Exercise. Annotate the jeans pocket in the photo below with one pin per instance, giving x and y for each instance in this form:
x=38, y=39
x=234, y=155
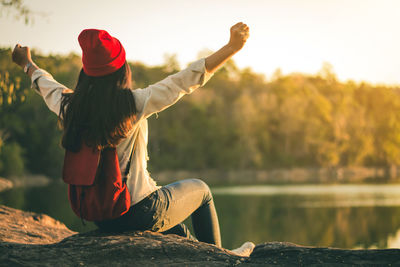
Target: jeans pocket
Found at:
x=159, y=216
x=143, y=213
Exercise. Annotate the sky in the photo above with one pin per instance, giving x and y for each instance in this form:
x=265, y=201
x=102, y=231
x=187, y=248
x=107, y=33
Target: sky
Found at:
x=359, y=38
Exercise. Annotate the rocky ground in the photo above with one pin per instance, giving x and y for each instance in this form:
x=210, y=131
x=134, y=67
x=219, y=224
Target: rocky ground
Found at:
x=29, y=239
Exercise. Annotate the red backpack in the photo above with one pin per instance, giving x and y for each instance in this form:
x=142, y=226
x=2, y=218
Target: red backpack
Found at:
x=96, y=191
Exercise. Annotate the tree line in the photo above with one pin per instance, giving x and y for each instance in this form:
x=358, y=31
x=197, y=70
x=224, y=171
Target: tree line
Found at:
x=239, y=120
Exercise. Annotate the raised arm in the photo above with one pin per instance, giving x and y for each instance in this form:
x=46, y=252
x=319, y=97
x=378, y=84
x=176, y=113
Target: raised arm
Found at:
x=165, y=93
x=42, y=81
x=239, y=36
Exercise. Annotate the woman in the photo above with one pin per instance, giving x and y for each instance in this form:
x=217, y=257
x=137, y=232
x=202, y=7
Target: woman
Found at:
x=104, y=112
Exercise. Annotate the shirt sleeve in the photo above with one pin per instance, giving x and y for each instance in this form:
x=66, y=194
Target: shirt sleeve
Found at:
x=48, y=88
x=165, y=93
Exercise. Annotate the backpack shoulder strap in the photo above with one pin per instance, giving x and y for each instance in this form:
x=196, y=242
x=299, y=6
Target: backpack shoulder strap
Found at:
x=128, y=166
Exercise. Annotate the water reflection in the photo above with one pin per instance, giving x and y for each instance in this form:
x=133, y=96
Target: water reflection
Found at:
x=345, y=216
x=393, y=241
x=367, y=190
x=51, y=200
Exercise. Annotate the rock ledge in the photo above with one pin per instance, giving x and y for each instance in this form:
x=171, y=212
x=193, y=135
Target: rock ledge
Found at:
x=39, y=240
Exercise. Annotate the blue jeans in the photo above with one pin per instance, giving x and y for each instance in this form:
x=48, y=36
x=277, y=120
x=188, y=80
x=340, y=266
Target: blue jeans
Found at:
x=165, y=209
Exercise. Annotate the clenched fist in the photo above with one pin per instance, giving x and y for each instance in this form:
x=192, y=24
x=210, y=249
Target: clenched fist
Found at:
x=21, y=55
x=239, y=36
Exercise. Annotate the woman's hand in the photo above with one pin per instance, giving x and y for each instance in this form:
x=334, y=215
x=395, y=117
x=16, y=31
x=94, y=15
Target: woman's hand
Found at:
x=239, y=36
x=21, y=55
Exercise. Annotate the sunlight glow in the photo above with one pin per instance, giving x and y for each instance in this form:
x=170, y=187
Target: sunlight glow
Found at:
x=358, y=37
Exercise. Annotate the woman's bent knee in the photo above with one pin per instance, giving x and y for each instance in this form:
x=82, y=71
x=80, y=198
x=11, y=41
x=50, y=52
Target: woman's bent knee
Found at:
x=204, y=187
x=200, y=183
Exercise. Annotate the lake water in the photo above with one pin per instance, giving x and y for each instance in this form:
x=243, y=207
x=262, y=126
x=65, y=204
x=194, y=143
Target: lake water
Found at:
x=345, y=216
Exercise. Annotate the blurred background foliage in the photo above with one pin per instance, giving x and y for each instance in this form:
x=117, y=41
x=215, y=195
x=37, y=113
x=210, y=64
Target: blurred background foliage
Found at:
x=17, y=9
x=239, y=120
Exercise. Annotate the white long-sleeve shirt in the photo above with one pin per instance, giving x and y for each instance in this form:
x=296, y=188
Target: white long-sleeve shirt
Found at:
x=149, y=100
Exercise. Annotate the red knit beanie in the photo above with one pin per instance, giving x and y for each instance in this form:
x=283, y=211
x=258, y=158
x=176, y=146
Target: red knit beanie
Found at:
x=102, y=54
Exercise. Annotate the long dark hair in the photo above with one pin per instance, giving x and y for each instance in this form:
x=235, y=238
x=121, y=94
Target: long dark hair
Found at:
x=100, y=112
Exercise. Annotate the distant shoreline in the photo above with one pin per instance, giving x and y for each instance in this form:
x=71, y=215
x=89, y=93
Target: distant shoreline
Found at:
x=213, y=177
x=286, y=176
x=5, y=184
x=24, y=180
